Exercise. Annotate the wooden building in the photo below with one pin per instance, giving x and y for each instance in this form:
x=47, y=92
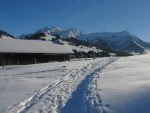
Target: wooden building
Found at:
x=17, y=51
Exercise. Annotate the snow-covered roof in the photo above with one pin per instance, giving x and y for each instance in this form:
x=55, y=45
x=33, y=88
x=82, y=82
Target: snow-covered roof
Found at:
x=32, y=46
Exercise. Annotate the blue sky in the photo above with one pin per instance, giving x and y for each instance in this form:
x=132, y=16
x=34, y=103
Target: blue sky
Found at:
x=26, y=16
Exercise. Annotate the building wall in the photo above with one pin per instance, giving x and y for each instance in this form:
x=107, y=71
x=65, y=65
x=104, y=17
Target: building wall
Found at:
x=21, y=59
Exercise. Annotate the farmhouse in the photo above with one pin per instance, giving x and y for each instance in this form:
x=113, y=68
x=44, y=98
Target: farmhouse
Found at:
x=17, y=51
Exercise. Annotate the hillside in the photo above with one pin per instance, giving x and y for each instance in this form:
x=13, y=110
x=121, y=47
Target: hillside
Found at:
x=4, y=34
x=121, y=41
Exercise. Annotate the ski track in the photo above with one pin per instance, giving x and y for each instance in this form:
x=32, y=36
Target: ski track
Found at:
x=75, y=93
x=86, y=99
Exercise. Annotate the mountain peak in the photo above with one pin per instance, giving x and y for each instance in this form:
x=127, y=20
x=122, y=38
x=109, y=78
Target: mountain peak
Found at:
x=56, y=28
x=73, y=32
x=49, y=30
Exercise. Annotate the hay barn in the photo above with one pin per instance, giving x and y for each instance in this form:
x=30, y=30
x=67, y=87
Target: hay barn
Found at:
x=20, y=52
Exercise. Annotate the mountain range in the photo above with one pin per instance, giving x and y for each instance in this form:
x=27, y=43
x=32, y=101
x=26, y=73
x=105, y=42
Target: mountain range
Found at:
x=120, y=41
x=72, y=32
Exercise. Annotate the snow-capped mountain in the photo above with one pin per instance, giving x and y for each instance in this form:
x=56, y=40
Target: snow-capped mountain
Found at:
x=72, y=32
x=121, y=41
x=49, y=30
x=4, y=34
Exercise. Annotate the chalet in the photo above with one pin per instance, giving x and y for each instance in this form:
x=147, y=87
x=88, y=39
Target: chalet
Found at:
x=17, y=51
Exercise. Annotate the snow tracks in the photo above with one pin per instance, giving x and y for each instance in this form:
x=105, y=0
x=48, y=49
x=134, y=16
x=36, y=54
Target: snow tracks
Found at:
x=76, y=93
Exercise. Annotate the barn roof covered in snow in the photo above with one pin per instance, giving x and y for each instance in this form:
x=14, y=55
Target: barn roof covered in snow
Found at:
x=32, y=46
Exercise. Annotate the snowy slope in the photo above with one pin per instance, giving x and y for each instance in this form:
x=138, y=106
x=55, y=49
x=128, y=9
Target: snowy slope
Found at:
x=82, y=48
x=121, y=41
x=124, y=86
x=5, y=35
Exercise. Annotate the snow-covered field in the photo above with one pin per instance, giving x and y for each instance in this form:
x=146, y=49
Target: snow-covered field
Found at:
x=103, y=85
x=125, y=85
x=18, y=82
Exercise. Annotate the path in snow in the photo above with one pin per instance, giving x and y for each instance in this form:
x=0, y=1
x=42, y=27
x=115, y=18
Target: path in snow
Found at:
x=86, y=98
x=61, y=96
x=20, y=81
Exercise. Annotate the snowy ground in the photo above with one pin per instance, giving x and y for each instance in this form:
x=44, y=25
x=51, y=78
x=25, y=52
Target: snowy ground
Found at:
x=103, y=85
x=125, y=85
x=55, y=96
x=18, y=82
